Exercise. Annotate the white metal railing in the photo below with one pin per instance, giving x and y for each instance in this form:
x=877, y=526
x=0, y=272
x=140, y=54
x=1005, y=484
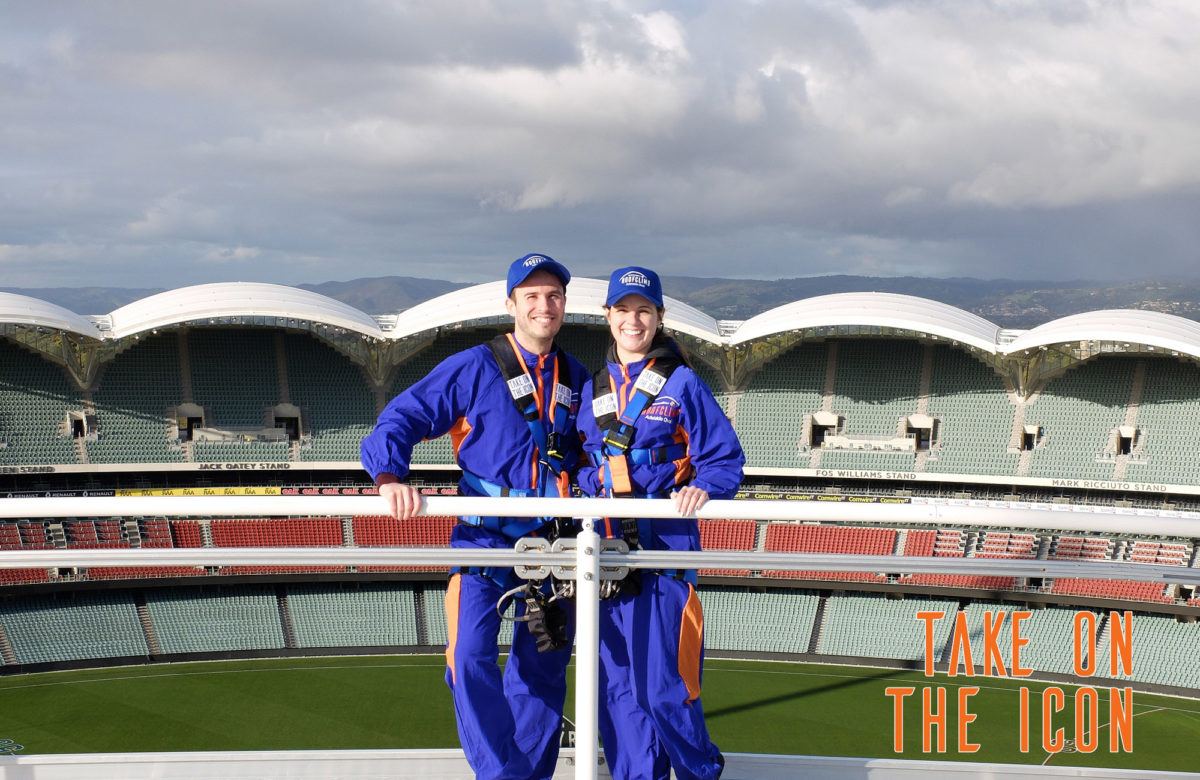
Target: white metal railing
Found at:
x=586, y=563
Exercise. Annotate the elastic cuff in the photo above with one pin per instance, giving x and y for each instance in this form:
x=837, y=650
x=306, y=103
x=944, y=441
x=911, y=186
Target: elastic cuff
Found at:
x=385, y=478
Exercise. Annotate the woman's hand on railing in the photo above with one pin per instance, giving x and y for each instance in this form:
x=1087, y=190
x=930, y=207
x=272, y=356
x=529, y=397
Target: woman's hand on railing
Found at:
x=689, y=499
x=404, y=501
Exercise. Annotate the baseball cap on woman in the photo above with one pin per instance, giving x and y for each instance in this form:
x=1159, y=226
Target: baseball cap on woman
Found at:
x=634, y=280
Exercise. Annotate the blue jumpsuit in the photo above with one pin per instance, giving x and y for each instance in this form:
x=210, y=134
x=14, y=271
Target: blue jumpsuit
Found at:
x=508, y=724
x=651, y=644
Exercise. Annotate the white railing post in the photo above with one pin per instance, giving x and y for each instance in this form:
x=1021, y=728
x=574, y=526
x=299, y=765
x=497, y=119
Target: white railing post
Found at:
x=587, y=648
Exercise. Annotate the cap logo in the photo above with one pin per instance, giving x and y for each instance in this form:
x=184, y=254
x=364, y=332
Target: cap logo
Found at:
x=533, y=260
x=635, y=279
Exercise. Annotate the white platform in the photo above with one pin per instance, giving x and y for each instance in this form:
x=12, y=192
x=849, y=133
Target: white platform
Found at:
x=450, y=765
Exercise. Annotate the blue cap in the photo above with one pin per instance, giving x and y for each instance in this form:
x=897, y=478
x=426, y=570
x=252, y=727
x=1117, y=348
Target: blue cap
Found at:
x=522, y=267
x=634, y=280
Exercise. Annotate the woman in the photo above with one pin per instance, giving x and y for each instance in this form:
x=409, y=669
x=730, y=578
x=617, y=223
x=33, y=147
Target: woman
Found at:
x=655, y=432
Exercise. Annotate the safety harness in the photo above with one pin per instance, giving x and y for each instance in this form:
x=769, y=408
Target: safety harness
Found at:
x=615, y=456
x=548, y=441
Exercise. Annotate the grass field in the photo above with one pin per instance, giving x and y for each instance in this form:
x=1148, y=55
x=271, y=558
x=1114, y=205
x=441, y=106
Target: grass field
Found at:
x=401, y=702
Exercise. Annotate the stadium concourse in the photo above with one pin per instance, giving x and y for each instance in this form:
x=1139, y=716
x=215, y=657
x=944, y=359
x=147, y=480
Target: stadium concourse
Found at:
x=867, y=399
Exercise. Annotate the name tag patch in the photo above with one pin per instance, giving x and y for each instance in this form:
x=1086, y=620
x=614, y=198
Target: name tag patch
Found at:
x=520, y=386
x=605, y=404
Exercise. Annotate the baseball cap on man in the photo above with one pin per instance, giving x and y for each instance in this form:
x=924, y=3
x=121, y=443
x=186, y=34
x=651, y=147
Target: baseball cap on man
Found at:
x=634, y=280
x=522, y=267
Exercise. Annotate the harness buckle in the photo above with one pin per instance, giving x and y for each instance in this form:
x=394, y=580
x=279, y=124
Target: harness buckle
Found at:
x=619, y=436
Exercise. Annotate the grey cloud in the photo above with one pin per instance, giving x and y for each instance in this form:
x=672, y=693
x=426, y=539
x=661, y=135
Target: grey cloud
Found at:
x=176, y=142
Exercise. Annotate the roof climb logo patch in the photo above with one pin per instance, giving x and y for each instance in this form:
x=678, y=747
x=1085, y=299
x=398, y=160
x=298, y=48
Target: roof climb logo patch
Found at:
x=635, y=279
x=533, y=260
x=665, y=409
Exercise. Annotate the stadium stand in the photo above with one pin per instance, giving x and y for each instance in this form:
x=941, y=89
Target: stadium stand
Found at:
x=35, y=401
x=307, y=532
x=727, y=535
x=1002, y=544
x=974, y=414
x=134, y=398
x=434, y=601
x=790, y=537
x=42, y=629
x=1168, y=415
x=190, y=620
x=1087, y=548
x=367, y=615
x=337, y=404
x=1048, y=631
x=1163, y=650
x=876, y=626
x=766, y=622
x=1078, y=413
x=1132, y=590
x=793, y=382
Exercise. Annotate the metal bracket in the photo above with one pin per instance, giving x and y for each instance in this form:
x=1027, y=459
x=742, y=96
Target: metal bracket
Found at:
x=528, y=571
x=606, y=572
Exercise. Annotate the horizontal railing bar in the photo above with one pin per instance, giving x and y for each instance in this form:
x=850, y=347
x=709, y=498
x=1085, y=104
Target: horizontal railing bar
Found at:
x=642, y=559
x=1078, y=519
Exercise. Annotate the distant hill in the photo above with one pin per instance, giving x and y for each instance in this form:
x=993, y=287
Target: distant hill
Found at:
x=384, y=294
x=1009, y=303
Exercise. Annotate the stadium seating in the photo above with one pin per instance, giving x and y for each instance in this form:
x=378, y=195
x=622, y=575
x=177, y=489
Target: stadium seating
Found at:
x=1087, y=548
x=774, y=621
x=307, y=532
x=434, y=602
x=770, y=413
x=1049, y=632
x=35, y=398
x=186, y=533
x=974, y=414
x=1161, y=553
x=1163, y=650
x=1078, y=412
x=1168, y=416
x=365, y=615
x=42, y=629
x=134, y=398
x=191, y=620
x=143, y=572
x=1129, y=590
x=1001, y=544
x=23, y=576
x=94, y=534
x=727, y=535
x=878, y=627
x=337, y=403
x=791, y=537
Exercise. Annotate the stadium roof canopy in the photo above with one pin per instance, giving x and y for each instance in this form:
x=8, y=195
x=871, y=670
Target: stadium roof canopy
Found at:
x=1128, y=327
x=24, y=310
x=240, y=301
x=585, y=297
x=873, y=310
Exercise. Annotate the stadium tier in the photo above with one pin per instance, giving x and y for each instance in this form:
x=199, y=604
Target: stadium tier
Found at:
x=866, y=404
x=343, y=616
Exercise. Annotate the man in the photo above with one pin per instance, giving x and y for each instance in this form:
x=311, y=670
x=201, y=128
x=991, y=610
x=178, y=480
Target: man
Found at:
x=509, y=407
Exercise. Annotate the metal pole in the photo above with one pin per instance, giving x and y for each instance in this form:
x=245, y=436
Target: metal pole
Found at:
x=587, y=648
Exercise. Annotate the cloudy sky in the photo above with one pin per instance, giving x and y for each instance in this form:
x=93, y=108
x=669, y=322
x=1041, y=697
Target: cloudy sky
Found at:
x=163, y=143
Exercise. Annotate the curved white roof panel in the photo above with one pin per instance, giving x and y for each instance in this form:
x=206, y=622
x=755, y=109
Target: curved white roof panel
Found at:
x=1131, y=326
x=584, y=296
x=885, y=310
x=24, y=310
x=238, y=299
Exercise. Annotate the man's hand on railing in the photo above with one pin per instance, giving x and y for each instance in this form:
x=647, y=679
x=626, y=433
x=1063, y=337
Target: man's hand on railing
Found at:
x=404, y=501
x=689, y=499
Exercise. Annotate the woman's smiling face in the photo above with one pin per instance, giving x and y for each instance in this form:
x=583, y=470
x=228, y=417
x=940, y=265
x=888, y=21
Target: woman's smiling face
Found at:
x=633, y=322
